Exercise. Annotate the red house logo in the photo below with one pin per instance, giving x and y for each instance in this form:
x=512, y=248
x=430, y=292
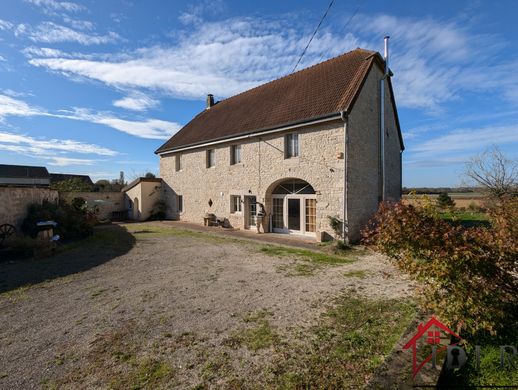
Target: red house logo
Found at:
x=433, y=332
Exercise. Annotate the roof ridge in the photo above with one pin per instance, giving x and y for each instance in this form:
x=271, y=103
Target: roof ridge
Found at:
x=295, y=73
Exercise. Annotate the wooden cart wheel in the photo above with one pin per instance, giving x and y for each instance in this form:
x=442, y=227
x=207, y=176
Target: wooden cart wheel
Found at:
x=6, y=230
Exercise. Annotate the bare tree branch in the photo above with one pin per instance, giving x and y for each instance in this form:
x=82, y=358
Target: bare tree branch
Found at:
x=494, y=171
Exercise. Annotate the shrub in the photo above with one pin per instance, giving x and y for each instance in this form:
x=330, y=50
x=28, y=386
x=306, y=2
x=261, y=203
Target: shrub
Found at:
x=467, y=275
x=72, y=220
x=159, y=211
x=27, y=247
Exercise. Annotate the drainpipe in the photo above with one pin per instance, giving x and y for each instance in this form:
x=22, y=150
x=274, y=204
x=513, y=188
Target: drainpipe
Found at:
x=382, y=119
x=345, y=228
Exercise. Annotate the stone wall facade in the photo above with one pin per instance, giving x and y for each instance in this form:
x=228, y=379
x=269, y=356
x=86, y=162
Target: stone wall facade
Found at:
x=321, y=164
x=365, y=188
x=15, y=200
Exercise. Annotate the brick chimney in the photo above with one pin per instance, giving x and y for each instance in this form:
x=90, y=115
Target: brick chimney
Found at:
x=210, y=100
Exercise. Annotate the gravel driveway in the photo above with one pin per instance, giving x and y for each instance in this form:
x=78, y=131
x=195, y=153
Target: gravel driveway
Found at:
x=159, y=308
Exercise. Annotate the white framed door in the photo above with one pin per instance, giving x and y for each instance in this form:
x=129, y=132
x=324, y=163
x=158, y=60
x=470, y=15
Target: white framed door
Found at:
x=250, y=211
x=294, y=214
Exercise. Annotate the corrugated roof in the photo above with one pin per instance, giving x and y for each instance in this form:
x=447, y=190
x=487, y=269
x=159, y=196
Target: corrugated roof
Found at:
x=320, y=90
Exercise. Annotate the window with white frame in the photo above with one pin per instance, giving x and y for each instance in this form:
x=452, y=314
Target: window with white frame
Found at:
x=178, y=163
x=179, y=203
x=235, y=154
x=211, y=158
x=291, y=145
x=235, y=204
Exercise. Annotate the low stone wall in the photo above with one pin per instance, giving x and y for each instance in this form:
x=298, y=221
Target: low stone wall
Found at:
x=15, y=200
x=107, y=202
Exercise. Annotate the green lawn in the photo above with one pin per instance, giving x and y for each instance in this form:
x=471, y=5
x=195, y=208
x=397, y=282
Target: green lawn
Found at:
x=466, y=219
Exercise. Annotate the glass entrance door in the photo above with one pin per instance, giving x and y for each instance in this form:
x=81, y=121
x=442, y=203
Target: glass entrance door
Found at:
x=251, y=210
x=294, y=214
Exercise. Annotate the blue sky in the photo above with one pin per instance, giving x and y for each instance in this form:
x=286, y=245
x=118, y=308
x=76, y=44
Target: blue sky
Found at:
x=96, y=86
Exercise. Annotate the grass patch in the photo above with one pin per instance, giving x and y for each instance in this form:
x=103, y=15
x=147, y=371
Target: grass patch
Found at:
x=489, y=372
x=146, y=374
x=352, y=340
x=305, y=254
x=259, y=336
x=298, y=269
x=466, y=219
x=356, y=274
x=18, y=293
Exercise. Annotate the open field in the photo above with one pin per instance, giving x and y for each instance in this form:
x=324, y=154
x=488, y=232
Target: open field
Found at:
x=462, y=199
x=141, y=306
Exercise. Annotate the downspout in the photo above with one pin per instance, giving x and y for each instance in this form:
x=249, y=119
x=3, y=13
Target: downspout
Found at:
x=345, y=225
x=382, y=119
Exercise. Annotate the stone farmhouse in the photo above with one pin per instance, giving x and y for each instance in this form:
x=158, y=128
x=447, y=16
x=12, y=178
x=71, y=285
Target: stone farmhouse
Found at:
x=321, y=142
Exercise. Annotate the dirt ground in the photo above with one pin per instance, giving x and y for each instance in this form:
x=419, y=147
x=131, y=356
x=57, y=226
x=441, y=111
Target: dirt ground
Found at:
x=170, y=306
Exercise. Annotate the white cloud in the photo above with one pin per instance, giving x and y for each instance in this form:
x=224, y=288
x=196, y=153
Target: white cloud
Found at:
x=143, y=128
x=15, y=107
x=195, y=12
x=5, y=25
x=67, y=161
x=468, y=139
x=458, y=146
x=148, y=128
x=223, y=58
x=78, y=23
x=435, y=61
x=49, y=32
x=136, y=102
x=54, y=5
x=25, y=144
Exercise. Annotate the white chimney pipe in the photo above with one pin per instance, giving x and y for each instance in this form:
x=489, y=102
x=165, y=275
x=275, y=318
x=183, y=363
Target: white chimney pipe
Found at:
x=382, y=120
x=386, y=54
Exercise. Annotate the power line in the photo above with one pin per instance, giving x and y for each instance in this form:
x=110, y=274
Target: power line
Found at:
x=313, y=36
x=345, y=25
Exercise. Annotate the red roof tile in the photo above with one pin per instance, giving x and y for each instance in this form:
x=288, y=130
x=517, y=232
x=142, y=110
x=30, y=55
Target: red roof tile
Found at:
x=323, y=89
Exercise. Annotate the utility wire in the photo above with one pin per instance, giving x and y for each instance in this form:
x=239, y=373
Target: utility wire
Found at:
x=344, y=26
x=313, y=36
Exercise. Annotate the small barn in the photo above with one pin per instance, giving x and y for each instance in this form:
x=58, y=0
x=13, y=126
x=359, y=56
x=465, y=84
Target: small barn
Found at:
x=141, y=197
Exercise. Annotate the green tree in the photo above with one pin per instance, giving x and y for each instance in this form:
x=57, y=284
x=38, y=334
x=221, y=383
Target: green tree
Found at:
x=445, y=201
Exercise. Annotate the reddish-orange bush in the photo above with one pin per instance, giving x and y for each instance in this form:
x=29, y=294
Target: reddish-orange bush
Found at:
x=467, y=275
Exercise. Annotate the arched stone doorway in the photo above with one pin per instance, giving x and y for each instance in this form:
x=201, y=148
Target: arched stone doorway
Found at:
x=293, y=207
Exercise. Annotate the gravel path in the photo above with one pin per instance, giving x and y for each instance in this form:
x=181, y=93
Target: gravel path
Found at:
x=171, y=296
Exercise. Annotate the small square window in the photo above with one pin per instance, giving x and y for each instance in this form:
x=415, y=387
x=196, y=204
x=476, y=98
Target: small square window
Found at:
x=179, y=203
x=291, y=145
x=211, y=158
x=235, y=154
x=178, y=163
x=235, y=204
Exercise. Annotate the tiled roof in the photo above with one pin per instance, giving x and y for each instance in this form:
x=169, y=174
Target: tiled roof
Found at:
x=318, y=91
x=23, y=171
x=57, y=177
